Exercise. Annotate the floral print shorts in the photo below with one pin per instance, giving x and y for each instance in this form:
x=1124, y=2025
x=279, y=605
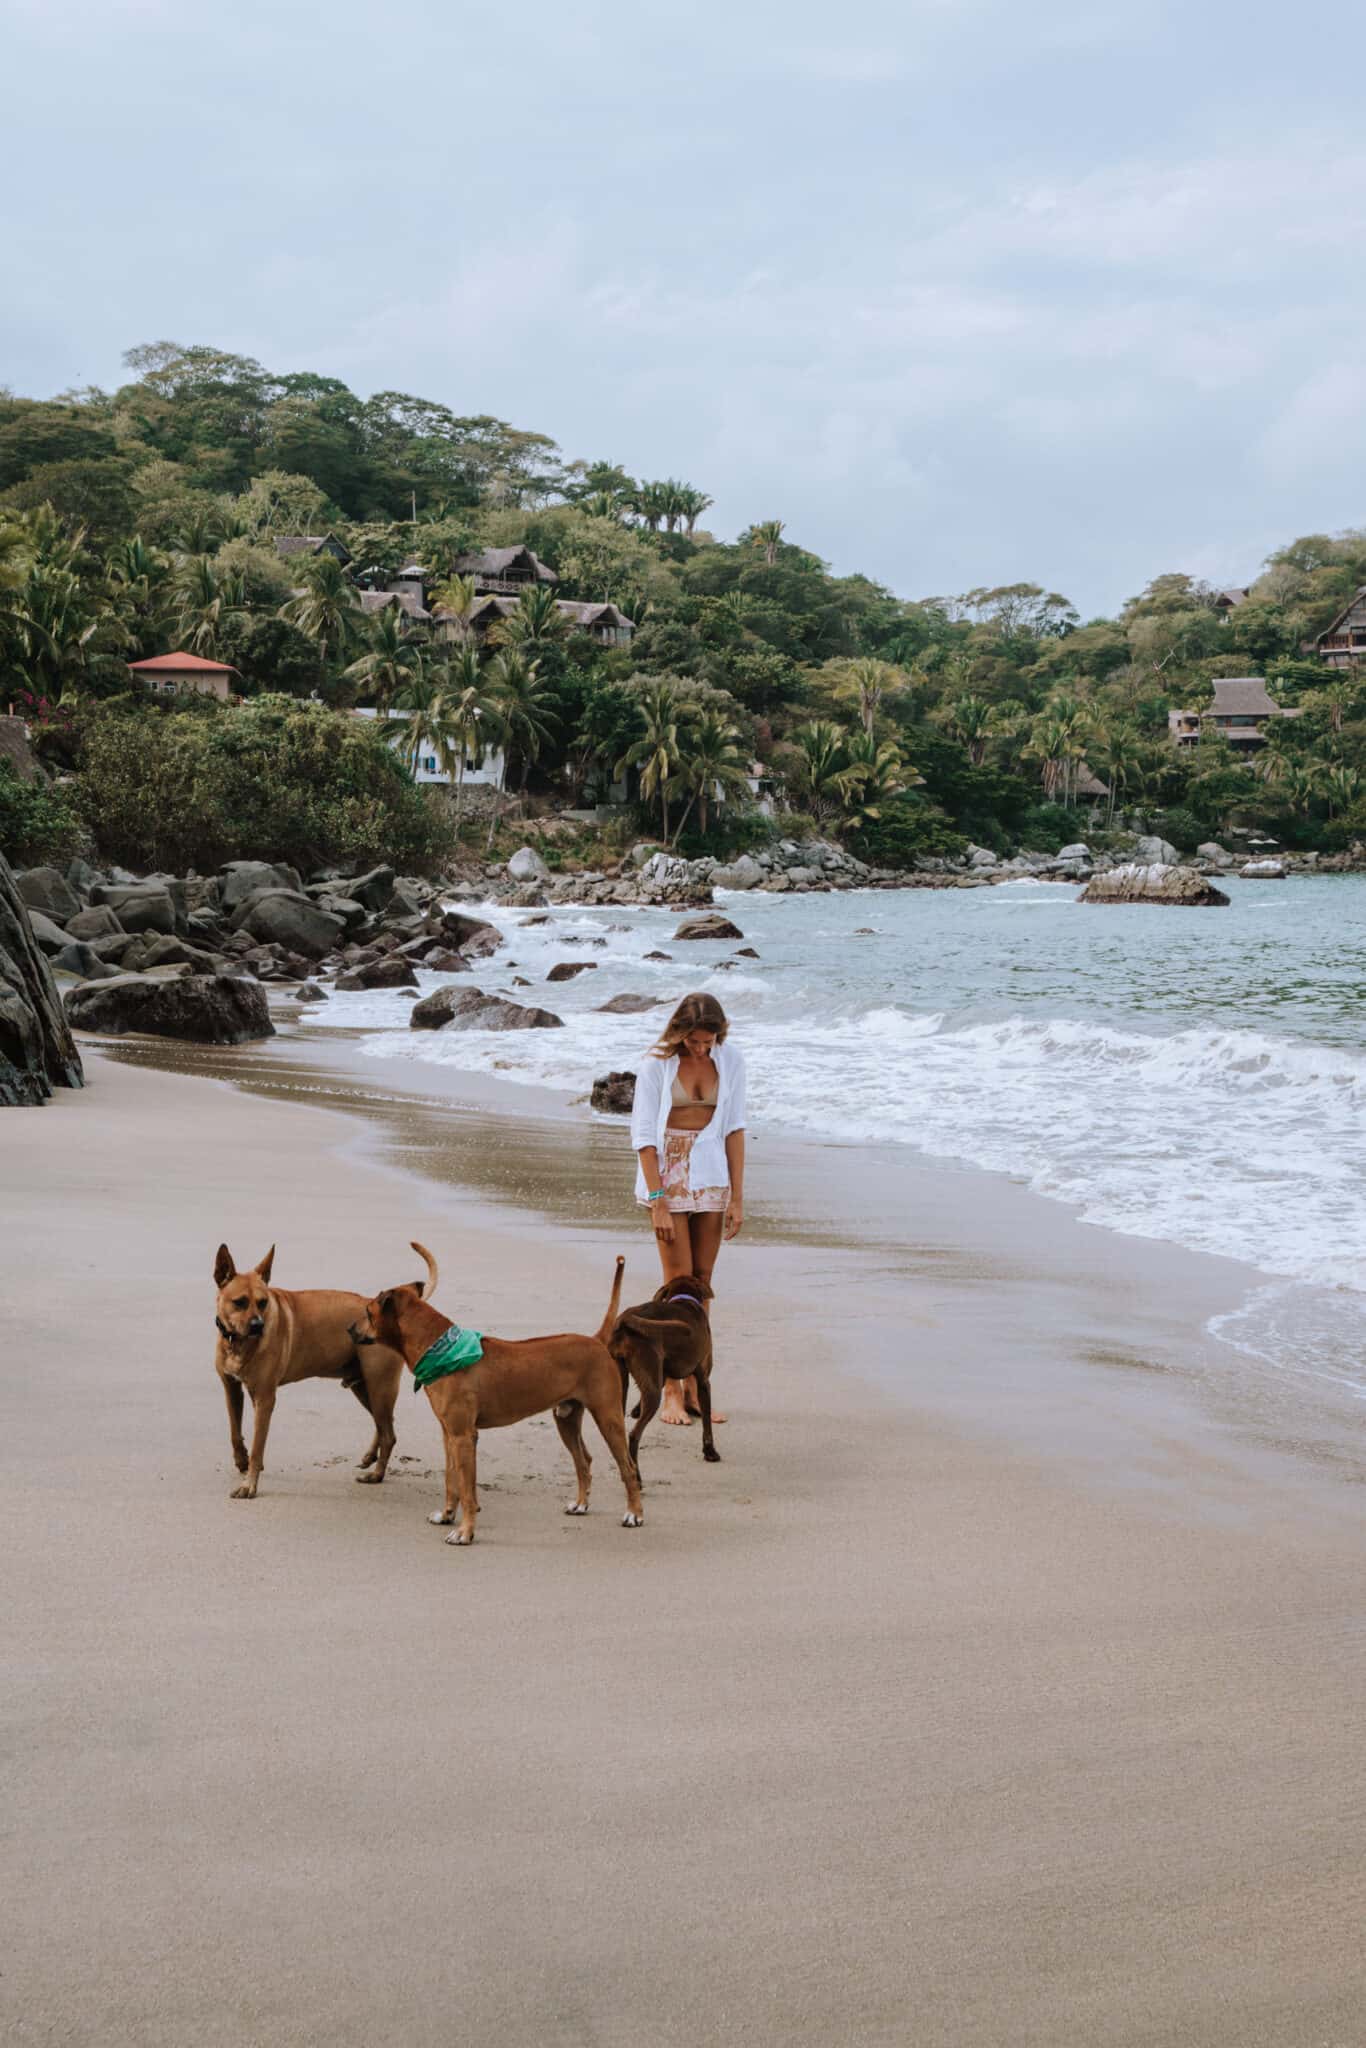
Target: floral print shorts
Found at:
x=683, y=1200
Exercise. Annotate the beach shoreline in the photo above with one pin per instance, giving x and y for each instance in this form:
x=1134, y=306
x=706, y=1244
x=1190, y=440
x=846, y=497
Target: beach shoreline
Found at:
x=902, y=1723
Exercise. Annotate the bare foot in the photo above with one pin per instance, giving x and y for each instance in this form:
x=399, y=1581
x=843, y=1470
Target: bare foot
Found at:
x=678, y=1415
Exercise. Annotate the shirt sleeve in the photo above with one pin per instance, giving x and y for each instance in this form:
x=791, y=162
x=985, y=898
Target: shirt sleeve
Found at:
x=735, y=1098
x=645, y=1109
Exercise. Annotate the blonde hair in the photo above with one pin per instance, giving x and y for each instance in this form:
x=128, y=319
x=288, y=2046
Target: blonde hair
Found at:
x=694, y=1013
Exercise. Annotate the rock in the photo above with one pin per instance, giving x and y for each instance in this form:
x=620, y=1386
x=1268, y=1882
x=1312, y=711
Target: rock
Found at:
x=37, y=1051
x=309, y=992
x=210, y=1009
x=441, y=960
x=709, y=926
x=747, y=953
x=244, y=878
x=48, y=890
x=565, y=970
x=630, y=1006
x=351, y=914
x=581, y=939
x=138, y=906
x=469, y=1009
x=1079, y=850
x=80, y=959
x=614, y=1094
x=474, y=937
x=659, y=956
x=542, y=917
x=99, y=922
x=49, y=936
x=1153, y=882
x=1153, y=851
x=526, y=865
x=391, y=970
x=375, y=890
x=1262, y=871
x=285, y=917
x=82, y=877
x=744, y=873
x=983, y=857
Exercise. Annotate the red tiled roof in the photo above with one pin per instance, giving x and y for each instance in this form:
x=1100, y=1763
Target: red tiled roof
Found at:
x=182, y=662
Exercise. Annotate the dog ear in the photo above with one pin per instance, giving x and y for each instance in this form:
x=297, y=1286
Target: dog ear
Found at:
x=223, y=1266
x=385, y=1302
x=264, y=1265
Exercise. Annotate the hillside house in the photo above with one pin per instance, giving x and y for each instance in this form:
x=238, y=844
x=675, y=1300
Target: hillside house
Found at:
x=173, y=672
x=1228, y=600
x=1240, y=711
x=289, y=545
x=604, y=622
x=1342, y=643
x=504, y=572
x=427, y=770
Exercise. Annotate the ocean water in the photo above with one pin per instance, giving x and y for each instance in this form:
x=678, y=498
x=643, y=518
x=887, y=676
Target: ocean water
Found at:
x=1193, y=1076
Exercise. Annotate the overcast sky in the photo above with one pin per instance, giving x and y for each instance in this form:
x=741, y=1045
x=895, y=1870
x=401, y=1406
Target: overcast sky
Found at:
x=966, y=291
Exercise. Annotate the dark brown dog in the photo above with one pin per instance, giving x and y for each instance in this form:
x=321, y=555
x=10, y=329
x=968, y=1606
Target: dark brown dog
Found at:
x=667, y=1338
x=268, y=1337
x=510, y=1382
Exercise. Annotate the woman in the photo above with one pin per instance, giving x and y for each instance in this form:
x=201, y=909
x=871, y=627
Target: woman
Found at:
x=688, y=1130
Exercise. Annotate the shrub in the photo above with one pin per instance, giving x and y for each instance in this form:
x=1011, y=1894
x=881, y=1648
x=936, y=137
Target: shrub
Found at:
x=1046, y=827
x=275, y=779
x=909, y=829
x=1181, y=828
x=38, y=821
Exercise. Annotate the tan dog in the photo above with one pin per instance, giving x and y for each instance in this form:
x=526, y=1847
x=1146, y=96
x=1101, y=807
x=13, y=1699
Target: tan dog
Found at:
x=268, y=1338
x=510, y=1382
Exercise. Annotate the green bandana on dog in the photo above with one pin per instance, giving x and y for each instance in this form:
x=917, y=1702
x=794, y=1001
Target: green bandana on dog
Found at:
x=454, y=1350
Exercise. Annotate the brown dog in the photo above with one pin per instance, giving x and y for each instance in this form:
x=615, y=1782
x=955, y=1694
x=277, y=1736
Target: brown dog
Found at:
x=510, y=1382
x=667, y=1338
x=268, y=1337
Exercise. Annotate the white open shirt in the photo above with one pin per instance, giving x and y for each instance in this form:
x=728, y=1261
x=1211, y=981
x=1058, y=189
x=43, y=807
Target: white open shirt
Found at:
x=707, y=1164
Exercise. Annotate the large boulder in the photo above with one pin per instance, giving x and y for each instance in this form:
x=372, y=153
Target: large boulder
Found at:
x=1262, y=871
x=629, y=1005
x=1152, y=851
x=374, y=890
x=138, y=906
x=284, y=917
x=565, y=970
x=744, y=873
x=37, y=1051
x=1154, y=882
x=473, y=937
x=80, y=959
x=49, y=936
x=391, y=970
x=99, y=922
x=210, y=1009
x=526, y=865
x=1077, y=851
x=1212, y=851
x=469, y=1009
x=709, y=925
x=48, y=890
x=614, y=1094
x=244, y=878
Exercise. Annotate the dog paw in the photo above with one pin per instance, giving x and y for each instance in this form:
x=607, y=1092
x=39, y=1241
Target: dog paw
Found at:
x=368, y=1478
x=247, y=1492
x=440, y=1519
x=460, y=1536
x=630, y=1521
x=711, y=1454
x=576, y=1507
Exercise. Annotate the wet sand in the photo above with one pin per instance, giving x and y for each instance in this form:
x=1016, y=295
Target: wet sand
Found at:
x=1001, y=1686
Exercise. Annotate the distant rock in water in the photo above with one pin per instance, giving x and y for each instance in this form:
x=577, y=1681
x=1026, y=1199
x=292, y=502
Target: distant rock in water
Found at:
x=469, y=1009
x=1262, y=871
x=391, y=970
x=208, y=1009
x=1154, y=883
x=614, y=1094
x=629, y=1005
x=565, y=970
x=37, y=1051
x=710, y=925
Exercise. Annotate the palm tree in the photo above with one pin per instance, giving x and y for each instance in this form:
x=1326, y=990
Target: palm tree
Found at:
x=1058, y=740
x=648, y=502
x=602, y=505
x=205, y=601
x=766, y=536
x=821, y=767
x=972, y=721
x=326, y=610
x=524, y=705
x=457, y=597
x=693, y=504
x=393, y=658
x=869, y=683
x=445, y=711
x=1339, y=787
x=656, y=753
x=1117, y=751
x=537, y=621
x=710, y=764
x=875, y=774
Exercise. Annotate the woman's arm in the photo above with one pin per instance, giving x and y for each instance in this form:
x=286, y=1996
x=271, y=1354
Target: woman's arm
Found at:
x=660, y=1213
x=735, y=1160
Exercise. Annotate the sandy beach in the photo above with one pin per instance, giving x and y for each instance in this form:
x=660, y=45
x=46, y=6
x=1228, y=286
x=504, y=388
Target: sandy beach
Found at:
x=1001, y=1686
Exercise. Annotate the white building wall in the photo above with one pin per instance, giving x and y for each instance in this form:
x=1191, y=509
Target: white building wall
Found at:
x=489, y=773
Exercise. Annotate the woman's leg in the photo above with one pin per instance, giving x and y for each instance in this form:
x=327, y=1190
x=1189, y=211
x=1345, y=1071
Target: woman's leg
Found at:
x=706, y=1237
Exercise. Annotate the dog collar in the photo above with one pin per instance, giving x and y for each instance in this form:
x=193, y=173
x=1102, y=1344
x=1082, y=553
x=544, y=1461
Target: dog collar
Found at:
x=685, y=1297
x=455, y=1350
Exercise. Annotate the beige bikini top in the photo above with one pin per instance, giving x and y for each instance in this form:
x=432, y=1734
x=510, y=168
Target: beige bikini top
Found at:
x=681, y=1099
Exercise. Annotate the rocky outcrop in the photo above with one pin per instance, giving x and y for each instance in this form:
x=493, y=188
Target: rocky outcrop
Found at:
x=281, y=917
x=209, y=1009
x=37, y=1051
x=1153, y=882
x=469, y=1009
x=710, y=926
x=614, y=1094
x=1262, y=871
x=565, y=970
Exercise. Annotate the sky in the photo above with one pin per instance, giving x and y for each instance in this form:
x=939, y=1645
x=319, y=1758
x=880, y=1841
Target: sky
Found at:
x=964, y=291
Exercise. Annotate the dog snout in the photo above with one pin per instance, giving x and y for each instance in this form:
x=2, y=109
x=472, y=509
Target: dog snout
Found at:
x=256, y=1326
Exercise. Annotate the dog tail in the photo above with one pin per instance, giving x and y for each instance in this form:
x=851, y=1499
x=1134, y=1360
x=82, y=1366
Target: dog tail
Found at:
x=430, y=1289
x=614, y=1304
x=653, y=1326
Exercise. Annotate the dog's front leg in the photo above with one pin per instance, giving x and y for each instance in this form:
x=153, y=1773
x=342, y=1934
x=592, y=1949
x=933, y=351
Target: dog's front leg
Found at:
x=262, y=1408
x=468, y=1489
x=232, y=1393
x=443, y=1517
